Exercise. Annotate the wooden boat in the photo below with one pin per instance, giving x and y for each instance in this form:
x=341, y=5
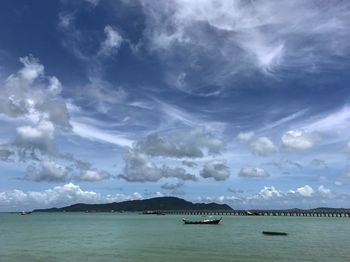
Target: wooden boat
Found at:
x=274, y=233
x=205, y=221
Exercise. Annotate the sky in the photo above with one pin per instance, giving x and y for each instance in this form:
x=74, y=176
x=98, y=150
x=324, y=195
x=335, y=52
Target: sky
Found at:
x=239, y=102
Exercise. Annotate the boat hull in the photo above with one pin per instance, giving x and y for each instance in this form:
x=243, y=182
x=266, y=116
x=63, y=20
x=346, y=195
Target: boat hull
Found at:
x=202, y=222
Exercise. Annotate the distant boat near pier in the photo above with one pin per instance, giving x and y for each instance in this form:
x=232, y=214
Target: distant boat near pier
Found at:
x=25, y=213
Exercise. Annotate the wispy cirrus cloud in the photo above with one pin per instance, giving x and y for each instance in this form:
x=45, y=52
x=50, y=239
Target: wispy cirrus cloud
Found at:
x=267, y=36
x=112, y=42
x=96, y=134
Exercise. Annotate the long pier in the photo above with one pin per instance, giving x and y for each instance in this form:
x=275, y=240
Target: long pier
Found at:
x=289, y=212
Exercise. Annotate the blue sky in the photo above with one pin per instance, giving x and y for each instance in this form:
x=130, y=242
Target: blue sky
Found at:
x=240, y=102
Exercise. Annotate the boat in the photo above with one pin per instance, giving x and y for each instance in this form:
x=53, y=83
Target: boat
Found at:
x=274, y=233
x=151, y=212
x=205, y=221
x=25, y=213
x=251, y=213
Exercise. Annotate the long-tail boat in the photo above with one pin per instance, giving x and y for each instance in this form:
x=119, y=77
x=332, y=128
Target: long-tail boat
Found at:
x=205, y=221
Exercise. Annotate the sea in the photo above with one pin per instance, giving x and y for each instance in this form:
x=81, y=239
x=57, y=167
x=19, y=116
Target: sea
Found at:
x=136, y=237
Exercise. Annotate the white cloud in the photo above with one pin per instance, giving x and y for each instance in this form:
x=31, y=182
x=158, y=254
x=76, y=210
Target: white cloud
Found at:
x=65, y=20
x=102, y=95
x=265, y=35
x=31, y=71
x=139, y=168
x=30, y=93
x=112, y=42
x=326, y=192
x=299, y=139
x=295, y=197
x=268, y=193
x=96, y=134
x=216, y=169
x=253, y=172
x=263, y=146
x=93, y=175
x=245, y=136
x=84, y=171
x=270, y=197
x=35, y=138
x=337, y=122
x=188, y=143
x=55, y=86
x=305, y=191
x=50, y=171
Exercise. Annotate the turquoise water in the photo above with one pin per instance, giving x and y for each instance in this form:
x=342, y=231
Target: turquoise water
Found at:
x=134, y=237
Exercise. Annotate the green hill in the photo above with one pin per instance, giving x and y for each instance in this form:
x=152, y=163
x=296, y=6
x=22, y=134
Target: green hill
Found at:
x=158, y=203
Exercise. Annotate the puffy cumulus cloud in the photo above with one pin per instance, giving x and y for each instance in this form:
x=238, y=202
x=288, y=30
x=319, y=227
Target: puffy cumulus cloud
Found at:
x=299, y=139
x=32, y=94
x=39, y=138
x=302, y=196
x=309, y=192
x=93, y=175
x=270, y=197
x=263, y=146
x=216, y=169
x=112, y=42
x=58, y=196
x=50, y=171
x=139, y=168
x=157, y=145
x=268, y=193
x=181, y=144
x=32, y=70
x=265, y=35
x=253, y=172
x=305, y=191
x=71, y=170
x=86, y=172
x=245, y=136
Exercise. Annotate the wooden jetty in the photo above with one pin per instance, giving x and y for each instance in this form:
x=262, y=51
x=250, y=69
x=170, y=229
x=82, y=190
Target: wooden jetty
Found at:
x=289, y=212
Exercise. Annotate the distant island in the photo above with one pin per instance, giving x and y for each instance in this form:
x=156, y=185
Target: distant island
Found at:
x=152, y=204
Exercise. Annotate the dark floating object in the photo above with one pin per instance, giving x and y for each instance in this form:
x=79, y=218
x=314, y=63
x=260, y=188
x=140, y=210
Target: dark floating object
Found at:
x=274, y=233
x=205, y=221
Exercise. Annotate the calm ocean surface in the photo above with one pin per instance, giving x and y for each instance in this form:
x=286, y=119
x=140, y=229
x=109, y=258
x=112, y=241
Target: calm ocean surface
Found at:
x=134, y=237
